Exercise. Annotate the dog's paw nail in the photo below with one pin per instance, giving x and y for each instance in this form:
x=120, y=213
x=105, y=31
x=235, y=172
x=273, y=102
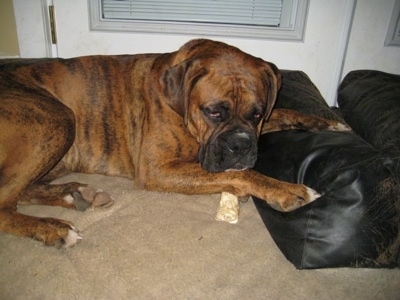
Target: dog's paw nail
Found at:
x=72, y=238
x=340, y=127
x=312, y=194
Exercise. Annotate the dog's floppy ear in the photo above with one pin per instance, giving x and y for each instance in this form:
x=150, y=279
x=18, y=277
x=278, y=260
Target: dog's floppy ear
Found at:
x=178, y=82
x=272, y=83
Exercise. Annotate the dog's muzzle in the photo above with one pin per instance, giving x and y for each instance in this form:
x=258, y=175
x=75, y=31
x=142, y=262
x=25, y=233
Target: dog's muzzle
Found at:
x=232, y=150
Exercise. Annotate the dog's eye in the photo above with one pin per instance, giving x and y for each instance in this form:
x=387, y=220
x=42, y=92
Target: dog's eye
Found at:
x=214, y=114
x=217, y=112
x=257, y=115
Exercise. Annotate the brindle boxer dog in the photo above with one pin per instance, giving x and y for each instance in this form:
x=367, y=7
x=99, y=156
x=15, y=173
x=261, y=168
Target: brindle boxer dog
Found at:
x=173, y=122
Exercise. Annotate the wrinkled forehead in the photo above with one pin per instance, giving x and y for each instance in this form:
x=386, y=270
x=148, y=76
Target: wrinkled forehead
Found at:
x=242, y=89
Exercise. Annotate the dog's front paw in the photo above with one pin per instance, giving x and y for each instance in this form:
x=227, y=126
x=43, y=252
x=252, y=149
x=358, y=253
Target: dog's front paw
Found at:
x=297, y=196
x=339, y=127
x=90, y=197
x=55, y=232
x=72, y=238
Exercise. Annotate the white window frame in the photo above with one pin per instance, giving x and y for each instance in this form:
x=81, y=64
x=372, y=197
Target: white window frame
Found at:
x=393, y=32
x=292, y=27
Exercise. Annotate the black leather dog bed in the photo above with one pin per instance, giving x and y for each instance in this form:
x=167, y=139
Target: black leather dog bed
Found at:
x=354, y=220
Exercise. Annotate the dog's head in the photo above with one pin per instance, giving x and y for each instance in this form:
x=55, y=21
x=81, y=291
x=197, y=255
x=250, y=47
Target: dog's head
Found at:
x=223, y=95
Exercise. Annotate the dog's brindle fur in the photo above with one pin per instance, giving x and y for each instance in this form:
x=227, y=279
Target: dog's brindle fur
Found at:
x=172, y=122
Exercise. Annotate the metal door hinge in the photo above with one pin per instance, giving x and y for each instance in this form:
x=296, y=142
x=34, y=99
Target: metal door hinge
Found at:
x=52, y=25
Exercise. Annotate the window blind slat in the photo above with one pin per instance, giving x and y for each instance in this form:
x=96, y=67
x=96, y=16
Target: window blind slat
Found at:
x=252, y=12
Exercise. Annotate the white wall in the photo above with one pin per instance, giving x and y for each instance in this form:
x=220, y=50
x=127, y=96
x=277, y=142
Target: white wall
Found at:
x=366, y=48
x=320, y=55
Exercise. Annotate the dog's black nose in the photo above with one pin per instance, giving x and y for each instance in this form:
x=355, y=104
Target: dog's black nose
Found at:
x=231, y=150
x=238, y=143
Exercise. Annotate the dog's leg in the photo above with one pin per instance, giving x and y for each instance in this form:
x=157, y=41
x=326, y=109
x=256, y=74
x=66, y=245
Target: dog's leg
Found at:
x=284, y=119
x=191, y=178
x=48, y=230
x=36, y=133
x=52, y=232
x=70, y=195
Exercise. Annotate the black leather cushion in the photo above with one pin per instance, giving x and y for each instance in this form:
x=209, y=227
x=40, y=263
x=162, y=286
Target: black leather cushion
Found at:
x=354, y=220
x=370, y=102
x=299, y=93
x=354, y=223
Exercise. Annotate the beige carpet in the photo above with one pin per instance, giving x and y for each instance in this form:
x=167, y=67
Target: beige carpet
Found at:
x=166, y=246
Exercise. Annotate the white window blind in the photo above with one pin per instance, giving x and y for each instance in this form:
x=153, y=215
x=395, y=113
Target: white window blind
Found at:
x=243, y=12
x=261, y=19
